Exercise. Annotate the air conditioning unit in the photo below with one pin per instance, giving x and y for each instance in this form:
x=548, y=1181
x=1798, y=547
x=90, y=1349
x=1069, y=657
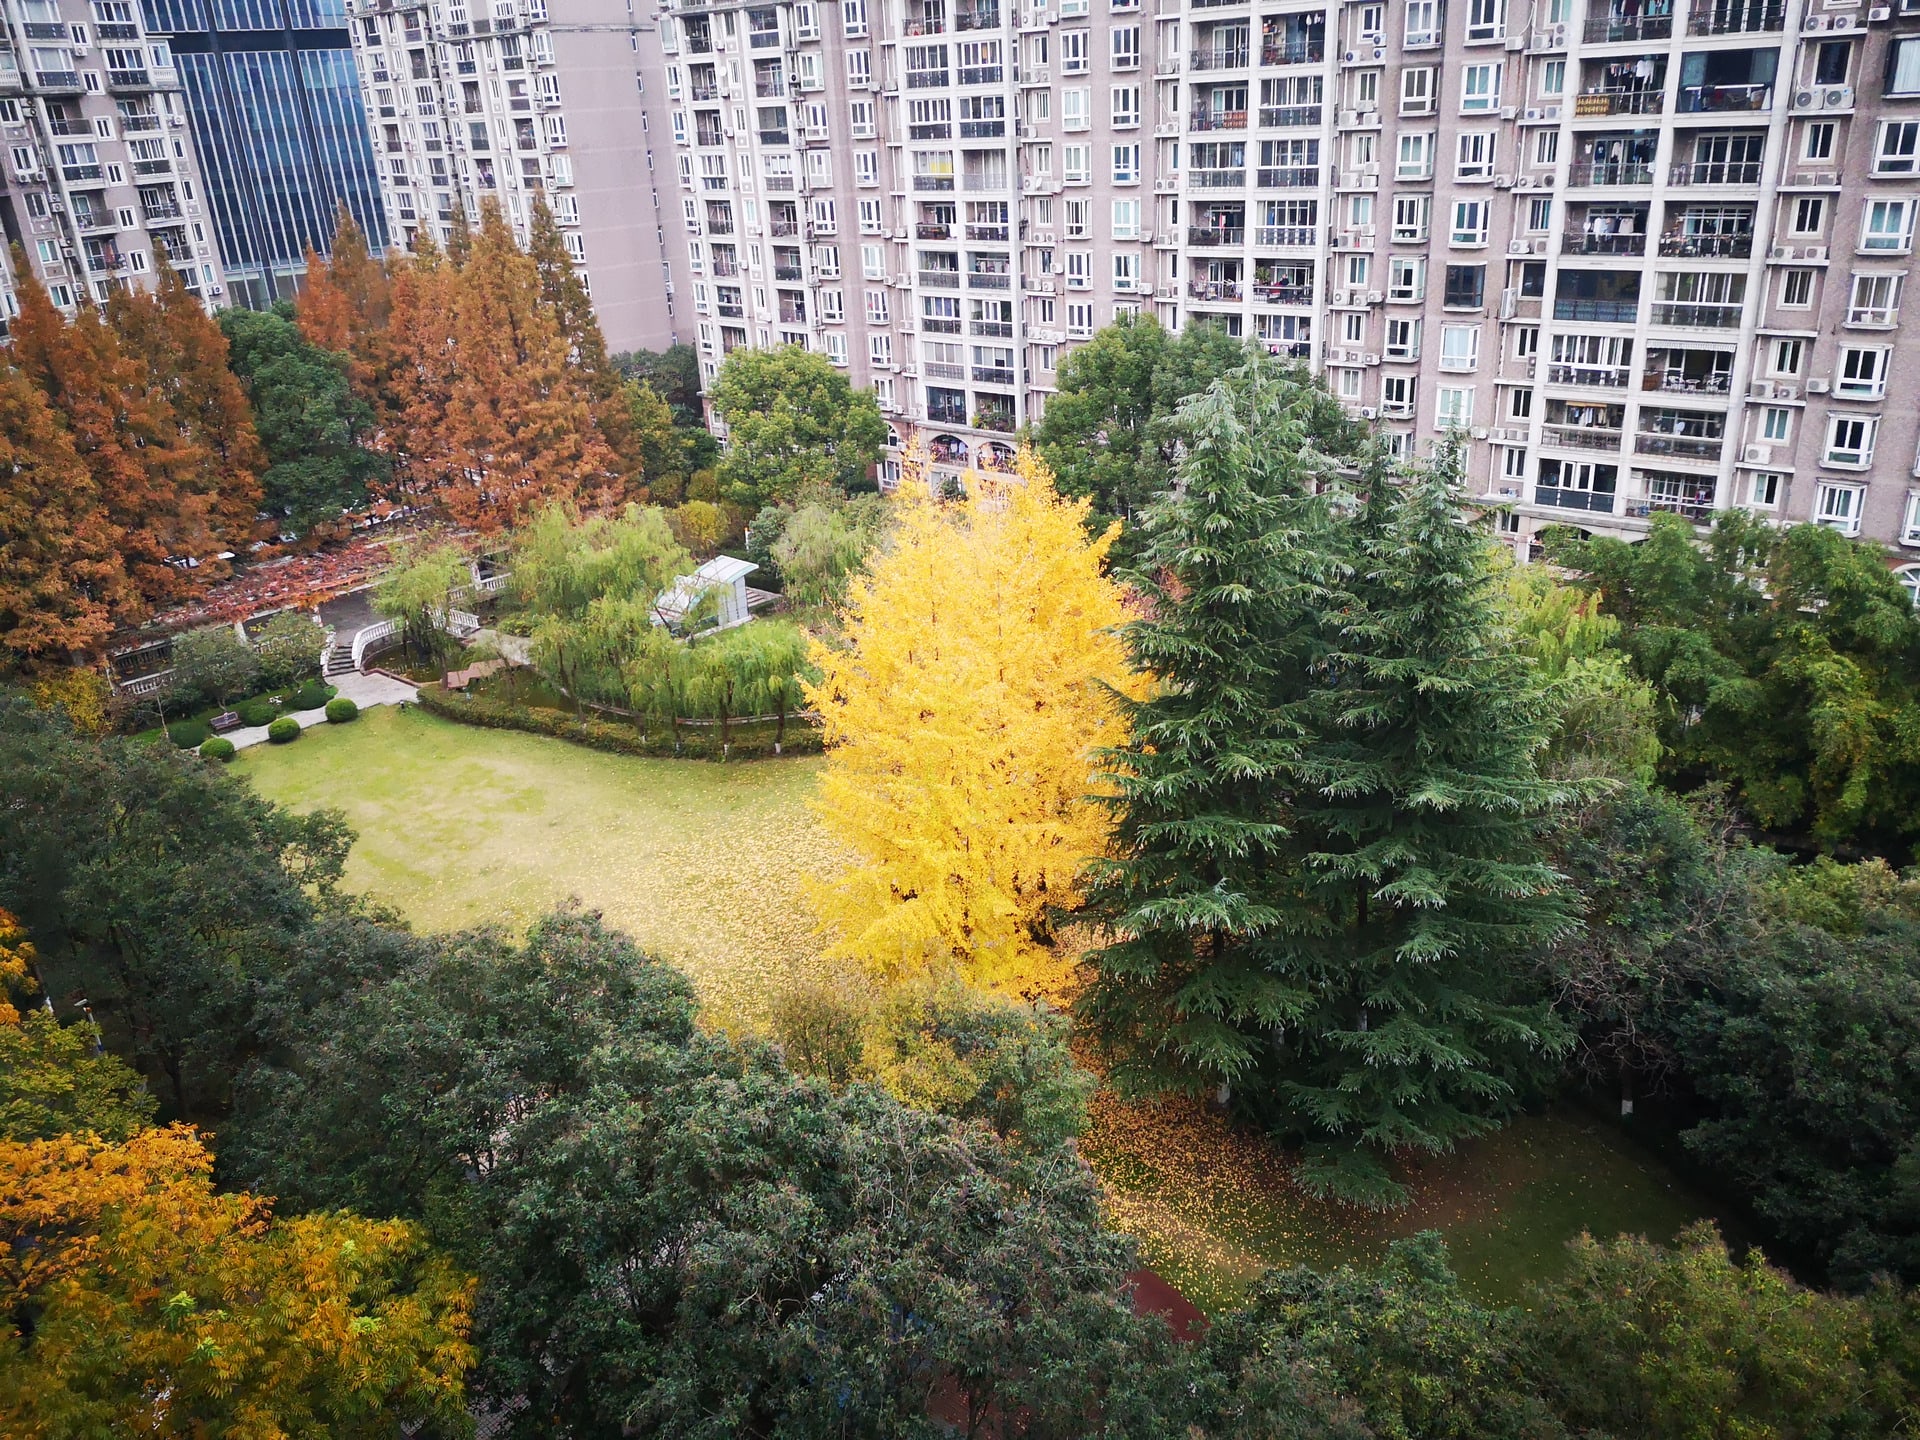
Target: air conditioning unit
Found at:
x=1814, y=252
x=1367, y=412
x=1540, y=246
x=1840, y=22
x=1372, y=37
x=1379, y=52
x=1503, y=182
x=1509, y=112
x=1352, y=57
x=1369, y=359
x=1523, y=182
x=1757, y=455
x=1376, y=297
x=1370, y=170
x=1339, y=297
x=1813, y=22
x=216, y=289
x=1480, y=433
x=1879, y=13
x=1780, y=252
x=1533, y=113
x=1818, y=387
x=1519, y=247
x=1784, y=392
x=1761, y=390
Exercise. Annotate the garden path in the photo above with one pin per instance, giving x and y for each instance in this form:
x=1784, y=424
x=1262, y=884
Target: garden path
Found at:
x=365, y=691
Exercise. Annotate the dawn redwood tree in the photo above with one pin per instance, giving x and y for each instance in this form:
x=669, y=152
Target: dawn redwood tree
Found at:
x=61, y=578
x=144, y=469
x=346, y=305
x=413, y=397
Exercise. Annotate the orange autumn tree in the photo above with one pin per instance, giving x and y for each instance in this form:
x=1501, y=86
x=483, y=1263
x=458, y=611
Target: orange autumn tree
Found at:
x=415, y=392
x=962, y=721
x=519, y=427
x=347, y=301
x=160, y=1307
x=61, y=579
x=168, y=331
x=144, y=470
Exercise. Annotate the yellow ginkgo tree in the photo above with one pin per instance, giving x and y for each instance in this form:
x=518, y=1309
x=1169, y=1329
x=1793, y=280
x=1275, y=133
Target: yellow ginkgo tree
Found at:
x=962, y=718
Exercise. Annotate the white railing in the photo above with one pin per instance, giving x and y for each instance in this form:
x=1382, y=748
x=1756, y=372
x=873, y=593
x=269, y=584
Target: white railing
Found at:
x=492, y=584
x=146, y=684
x=381, y=636
x=462, y=623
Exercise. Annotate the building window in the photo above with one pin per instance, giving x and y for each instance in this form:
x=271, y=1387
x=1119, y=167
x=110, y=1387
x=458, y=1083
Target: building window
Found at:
x=1406, y=277
x=1126, y=219
x=1075, y=47
x=1839, y=506
x=1796, y=289
x=1403, y=340
x=1903, y=66
x=1540, y=214
x=1125, y=106
x=1850, y=441
x=1473, y=155
x=1887, y=226
x=1909, y=575
x=1410, y=216
x=1466, y=287
x=1126, y=164
x=1460, y=347
x=1126, y=47
x=1415, y=157
x=1862, y=373
x=1784, y=358
x=1775, y=423
x=1817, y=143
x=1417, y=86
x=1479, y=89
x=1469, y=222
x=1397, y=394
x=1763, y=489
x=1874, y=300
x=1898, y=148
x=834, y=344
x=1809, y=215
x=1126, y=271
x=1453, y=407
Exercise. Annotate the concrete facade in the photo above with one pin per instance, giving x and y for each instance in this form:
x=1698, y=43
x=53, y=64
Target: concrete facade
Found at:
x=503, y=100
x=101, y=173
x=1647, y=256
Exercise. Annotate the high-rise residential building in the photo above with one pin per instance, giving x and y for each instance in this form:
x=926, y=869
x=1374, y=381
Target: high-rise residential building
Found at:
x=101, y=171
x=1643, y=255
x=496, y=99
x=281, y=130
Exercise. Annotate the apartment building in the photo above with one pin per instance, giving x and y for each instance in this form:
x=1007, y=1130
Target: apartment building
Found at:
x=1647, y=255
x=276, y=111
x=501, y=100
x=101, y=172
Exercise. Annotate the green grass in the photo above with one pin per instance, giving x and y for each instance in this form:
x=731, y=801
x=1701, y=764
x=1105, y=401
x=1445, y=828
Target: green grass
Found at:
x=706, y=865
x=458, y=826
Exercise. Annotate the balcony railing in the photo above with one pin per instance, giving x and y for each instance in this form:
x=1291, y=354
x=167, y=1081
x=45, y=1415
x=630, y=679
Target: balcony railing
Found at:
x=1697, y=315
x=1612, y=29
x=1286, y=115
x=985, y=17
x=928, y=231
x=1581, y=437
x=1716, y=172
x=1216, y=235
x=992, y=375
x=1712, y=382
x=981, y=74
x=989, y=280
x=1292, y=52
x=1602, y=377
x=765, y=88
x=1597, y=501
x=1581, y=242
x=982, y=129
x=701, y=93
x=1217, y=290
x=1707, y=247
x=933, y=182
x=940, y=279
x=1607, y=312
x=1610, y=172
x=1217, y=179
x=1695, y=502
x=1686, y=447
x=783, y=227
x=991, y=329
x=1276, y=294
x=1618, y=102
x=1219, y=59
x=1295, y=235
x=1702, y=99
x=129, y=79
x=1289, y=177
x=988, y=233
x=1736, y=19
x=57, y=79
x=726, y=269
x=1219, y=120
x=926, y=79
x=788, y=272
x=763, y=39
x=732, y=312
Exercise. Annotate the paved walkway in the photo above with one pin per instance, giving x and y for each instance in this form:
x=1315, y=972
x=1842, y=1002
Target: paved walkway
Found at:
x=365, y=691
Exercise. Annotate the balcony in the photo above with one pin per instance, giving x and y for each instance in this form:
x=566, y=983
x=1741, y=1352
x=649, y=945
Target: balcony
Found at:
x=991, y=329
x=1582, y=242
x=1286, y=235
x=1714, y=99
x=1679, y=244
x=933, y=182
x=788, y=272
x=1292, y=52
x=1610, y=172
x=1275, y=294
x=1217, y=179
x=1217, y=291
x=1580, y=437
x=939, y=325
x=1618, y=102
x=763, y=39
x=1736, y=19
x=1614, y=29
x=1697, y=315
x=726, y=269
x=783, y=227
x=1596, y=501
x=702, y=93
x=1289, y=177
x=992, y=375
x=1219, y=120
x=82, y=174
x=942, y=370
x=926, y=231
x=733, y=311
x=57, y=79
x=1597, y=377
x=1282, y=116
x=926, y=79
x=982, y=129
x=981, y=74
x=983, y=17
x=115, y=31
x=160, y=214
x=1000, y=422
x=1605, y=312
x=1216, y=235
x=940, y=279
x=775, y=137
x=139, y=124
x=1683, y=447
x=1716, y=172
x=1218, y=60
x=129, y=80
x=1679, y=382
x=45, y=30
x=766, y=89
x=989, y=280
x=989, y=233
x=1686, y=495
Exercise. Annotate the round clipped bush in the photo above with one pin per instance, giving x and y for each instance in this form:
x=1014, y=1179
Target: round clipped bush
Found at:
x=258, y=712
x=283, y=731
x=188, y=734
x=340, y=711
x=310, y=696
x=216, y=747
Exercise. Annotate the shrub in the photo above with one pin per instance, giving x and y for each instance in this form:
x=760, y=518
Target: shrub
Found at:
x=290, y=646
x=258, y=712
x=188, y=734
x=212, y=665
x=283, y=731
x=310, y=696
x=216, y=747
x=340, y=711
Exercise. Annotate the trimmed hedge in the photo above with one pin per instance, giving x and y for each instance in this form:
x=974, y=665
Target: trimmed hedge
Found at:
x=188, y=734
x=258, y=712
x=341, y=710
x=310, y=696
x=750, y=742
x=283, y=731
x=217, y=747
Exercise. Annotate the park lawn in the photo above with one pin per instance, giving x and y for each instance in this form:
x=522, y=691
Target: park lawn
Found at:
x=701, y=863
x=706, y=865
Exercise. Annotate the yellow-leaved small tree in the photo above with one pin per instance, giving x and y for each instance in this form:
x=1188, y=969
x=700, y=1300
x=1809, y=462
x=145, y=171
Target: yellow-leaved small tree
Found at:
x=961, y=720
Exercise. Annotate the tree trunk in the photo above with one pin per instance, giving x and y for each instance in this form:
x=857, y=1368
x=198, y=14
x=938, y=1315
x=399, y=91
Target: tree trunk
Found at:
x=780, y=727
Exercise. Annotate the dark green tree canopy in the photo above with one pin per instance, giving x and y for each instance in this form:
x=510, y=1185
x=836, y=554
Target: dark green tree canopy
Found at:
x=795, y=428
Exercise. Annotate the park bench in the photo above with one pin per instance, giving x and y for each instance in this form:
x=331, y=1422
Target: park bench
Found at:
x=226, y=720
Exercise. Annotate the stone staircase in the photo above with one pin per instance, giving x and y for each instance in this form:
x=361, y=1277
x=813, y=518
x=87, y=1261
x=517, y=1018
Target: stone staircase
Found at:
x=339, y=657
